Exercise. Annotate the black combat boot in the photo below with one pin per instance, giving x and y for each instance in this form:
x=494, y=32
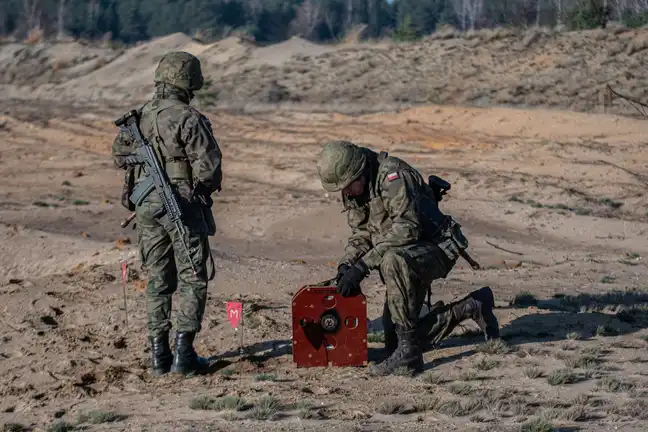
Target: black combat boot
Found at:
x=161, y=356
x=389, y=330
x=478, y=306
x=407, y=354
x=185, y=359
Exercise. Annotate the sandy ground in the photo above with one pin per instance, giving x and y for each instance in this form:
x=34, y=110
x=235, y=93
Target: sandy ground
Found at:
x=553, y=204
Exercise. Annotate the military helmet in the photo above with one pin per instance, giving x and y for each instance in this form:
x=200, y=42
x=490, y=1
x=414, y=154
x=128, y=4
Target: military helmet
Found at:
x=181, y=70
x=339, y=164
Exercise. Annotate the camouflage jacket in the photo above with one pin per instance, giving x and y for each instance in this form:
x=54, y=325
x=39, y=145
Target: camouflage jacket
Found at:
x=186, y=146
x=397, y=209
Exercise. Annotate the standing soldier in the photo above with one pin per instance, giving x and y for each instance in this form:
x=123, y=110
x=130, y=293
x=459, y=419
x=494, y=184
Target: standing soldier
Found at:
x=398, y=229
x=185, y=145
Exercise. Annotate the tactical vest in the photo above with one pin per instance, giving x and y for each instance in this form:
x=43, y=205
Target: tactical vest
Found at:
x=178, y=168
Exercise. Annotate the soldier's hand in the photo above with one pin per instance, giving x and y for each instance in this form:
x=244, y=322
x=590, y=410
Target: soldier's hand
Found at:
x=349, y=290
x=342, y=269
x=349, y=283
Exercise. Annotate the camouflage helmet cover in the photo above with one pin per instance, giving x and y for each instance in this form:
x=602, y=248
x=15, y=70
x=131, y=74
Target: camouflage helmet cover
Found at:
x=339, y=164
x=181, y=70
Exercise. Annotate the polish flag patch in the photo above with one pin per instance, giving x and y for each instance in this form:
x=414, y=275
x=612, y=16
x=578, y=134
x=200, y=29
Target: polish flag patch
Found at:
x=392, y=176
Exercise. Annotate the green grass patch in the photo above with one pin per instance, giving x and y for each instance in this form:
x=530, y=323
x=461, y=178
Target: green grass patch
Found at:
x=60, y=426
x=561, y=377
x=98, y=417
x=265, y=408
x=266, y=377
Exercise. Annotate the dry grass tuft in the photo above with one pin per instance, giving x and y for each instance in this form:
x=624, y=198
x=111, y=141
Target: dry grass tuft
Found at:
x=636, y=409
x=433, y=378
x=574, y=336
x=561, y=377
x=469, y=375
x=391, y=407
x=224, y=403
x=459, y=408
x=606, y=330
x=461, y=389
x=615, y=385
x=485, y=364
x=532, y=372
x=60, y=426
x=98, y=417
x=266, y=377
x=583, y=362
x=537, y=425
x=494, y=347
x=575, y=414
x=265, y=408
x=427, y=404
x=594, y=351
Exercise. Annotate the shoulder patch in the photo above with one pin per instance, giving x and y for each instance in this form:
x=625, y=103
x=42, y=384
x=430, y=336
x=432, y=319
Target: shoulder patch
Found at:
x=392, y=176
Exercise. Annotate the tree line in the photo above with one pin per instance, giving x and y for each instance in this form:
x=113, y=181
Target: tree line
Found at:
x=269, y=21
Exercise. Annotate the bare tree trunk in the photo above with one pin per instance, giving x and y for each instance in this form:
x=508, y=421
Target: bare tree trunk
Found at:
x=32, y=14
x=641, y=6
x=93, y=15
x=349, y=15
x=309, y=16
x=459, y=7
x=469, y=12
x=537, y=13
x=619, y=6
x=61, y=19
x=371, y=7
x=559, y=12
x=475, y=8
x=314, y=15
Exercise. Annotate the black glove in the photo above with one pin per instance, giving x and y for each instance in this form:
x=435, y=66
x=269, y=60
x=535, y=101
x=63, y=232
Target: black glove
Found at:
x=349, y=283
x=201, y=194
x=342, y=268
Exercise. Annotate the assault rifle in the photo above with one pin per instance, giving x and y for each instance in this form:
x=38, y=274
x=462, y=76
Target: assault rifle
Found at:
x=438, y=186
x=156, y=179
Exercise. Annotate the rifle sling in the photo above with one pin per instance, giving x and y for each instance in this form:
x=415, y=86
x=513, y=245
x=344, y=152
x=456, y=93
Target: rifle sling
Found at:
x=176, y=169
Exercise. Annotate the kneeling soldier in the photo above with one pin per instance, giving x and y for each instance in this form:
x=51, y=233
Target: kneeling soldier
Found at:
x=398, y=229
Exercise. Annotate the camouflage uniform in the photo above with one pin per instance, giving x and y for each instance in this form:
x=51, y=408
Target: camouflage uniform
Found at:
x=183, y=140
x=398, y=229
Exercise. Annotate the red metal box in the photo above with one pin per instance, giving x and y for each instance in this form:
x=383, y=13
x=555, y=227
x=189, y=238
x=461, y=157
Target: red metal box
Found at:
x=328, y=329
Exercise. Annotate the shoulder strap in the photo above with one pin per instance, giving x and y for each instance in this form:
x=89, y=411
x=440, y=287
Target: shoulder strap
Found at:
x=165, y=104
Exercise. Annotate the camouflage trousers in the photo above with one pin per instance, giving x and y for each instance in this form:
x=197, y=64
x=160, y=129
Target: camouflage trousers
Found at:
x=407, y=273
x=169, y=268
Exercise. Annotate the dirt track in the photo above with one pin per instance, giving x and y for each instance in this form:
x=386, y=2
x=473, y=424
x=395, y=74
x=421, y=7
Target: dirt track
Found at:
x=553, y=204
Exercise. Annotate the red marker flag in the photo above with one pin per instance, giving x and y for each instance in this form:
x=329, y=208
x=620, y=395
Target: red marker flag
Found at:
x=234, y=313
